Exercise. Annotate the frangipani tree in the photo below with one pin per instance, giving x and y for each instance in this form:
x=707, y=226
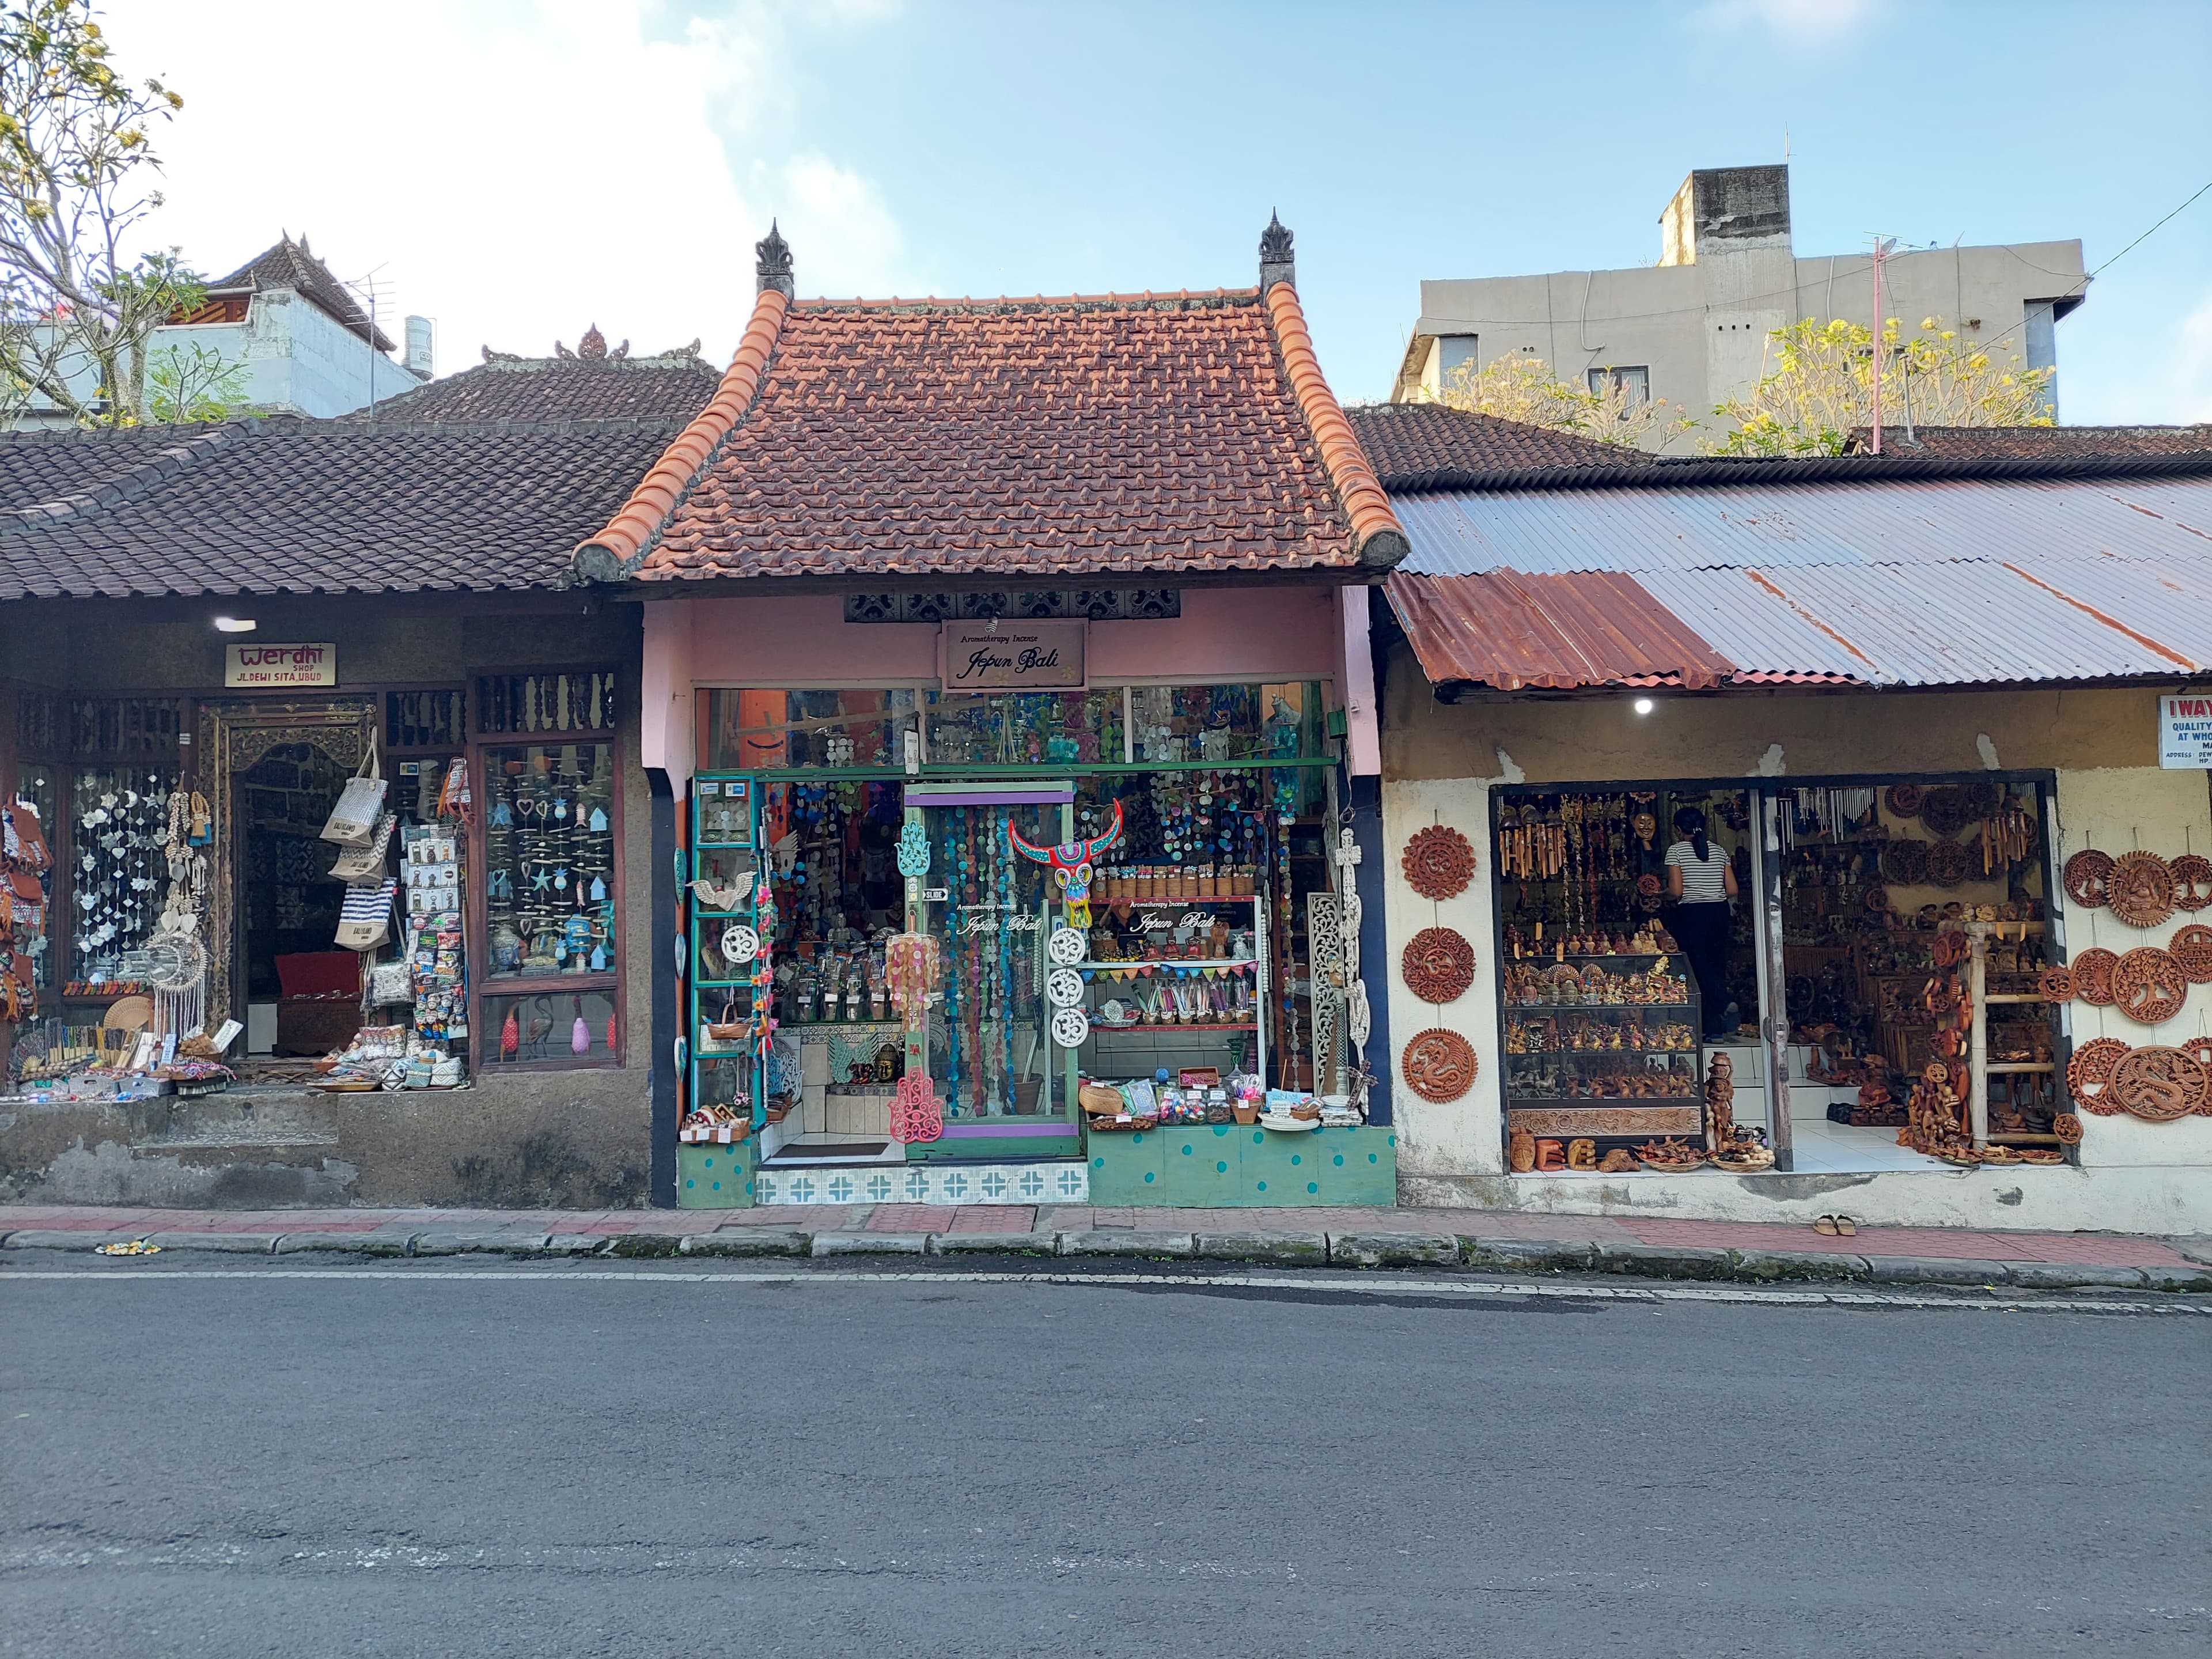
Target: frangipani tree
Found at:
x=1822, y=388
x=78, y=300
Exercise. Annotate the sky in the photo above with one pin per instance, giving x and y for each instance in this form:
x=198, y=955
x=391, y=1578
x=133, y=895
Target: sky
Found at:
x=520, y=169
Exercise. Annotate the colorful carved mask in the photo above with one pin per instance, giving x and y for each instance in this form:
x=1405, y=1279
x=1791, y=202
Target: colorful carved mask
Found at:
x=1071, y=865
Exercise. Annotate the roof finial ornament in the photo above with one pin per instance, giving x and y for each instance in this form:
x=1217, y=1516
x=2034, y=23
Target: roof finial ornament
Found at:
x=1276, y=264
x=592, y=348
x=775, y=267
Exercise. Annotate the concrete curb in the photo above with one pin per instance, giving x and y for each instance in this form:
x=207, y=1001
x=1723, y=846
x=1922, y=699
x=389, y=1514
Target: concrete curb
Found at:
x=1115, y=1242
x=1934, y=1270
x=994, y=1243
x=478, y=1244
x=353, y=1244
x=230, y=1243
x=1666, y=1261
x=870, y=1243
x=1444, y=1251
x=2072, y=1276
x=747, y=1241
x=56, y=1238
x=1526, y=1255
x=1393, y=1250
x=1287, y=1249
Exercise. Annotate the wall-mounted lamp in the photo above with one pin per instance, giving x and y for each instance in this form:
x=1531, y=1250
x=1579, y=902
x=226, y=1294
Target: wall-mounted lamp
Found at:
x=1645, y=705
x=235, y=624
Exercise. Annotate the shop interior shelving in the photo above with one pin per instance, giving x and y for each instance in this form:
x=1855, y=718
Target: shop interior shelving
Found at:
x=725, y=846
x=1526, y=1090
x=1117, y=1052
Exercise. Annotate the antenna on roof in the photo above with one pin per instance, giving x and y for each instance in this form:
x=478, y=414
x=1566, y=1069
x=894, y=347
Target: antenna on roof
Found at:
x=367, y=285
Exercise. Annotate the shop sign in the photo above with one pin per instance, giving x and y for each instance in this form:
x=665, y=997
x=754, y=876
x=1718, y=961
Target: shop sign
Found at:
x=2185, y=732
x=256, y=666
x=1012, y=656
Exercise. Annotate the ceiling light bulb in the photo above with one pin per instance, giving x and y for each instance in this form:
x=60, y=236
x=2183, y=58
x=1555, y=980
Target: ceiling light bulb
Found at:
x=235, y=624
x=1643, y=705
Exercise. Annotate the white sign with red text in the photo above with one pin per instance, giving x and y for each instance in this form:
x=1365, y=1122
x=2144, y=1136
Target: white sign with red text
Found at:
x=2185, y=732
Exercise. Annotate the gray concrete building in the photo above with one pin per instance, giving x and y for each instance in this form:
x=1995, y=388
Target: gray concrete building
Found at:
x=1693, y=329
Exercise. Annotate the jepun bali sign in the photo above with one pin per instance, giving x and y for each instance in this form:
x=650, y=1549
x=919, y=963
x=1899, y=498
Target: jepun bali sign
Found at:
x=1012, y=656
x=254, y=666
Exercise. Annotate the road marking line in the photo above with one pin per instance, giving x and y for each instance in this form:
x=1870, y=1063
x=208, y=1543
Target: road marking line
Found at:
x=1472, y=1289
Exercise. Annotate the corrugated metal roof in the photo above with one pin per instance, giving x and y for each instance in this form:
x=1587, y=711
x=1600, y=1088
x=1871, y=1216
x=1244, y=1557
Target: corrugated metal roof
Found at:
x=1514, y=631
x=1940, y=583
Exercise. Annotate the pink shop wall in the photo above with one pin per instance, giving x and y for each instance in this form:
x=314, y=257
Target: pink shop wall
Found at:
x=1224, y=634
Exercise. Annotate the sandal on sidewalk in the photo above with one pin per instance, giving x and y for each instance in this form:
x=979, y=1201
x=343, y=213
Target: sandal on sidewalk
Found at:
x=1827, y=1226
x=1846, y=1227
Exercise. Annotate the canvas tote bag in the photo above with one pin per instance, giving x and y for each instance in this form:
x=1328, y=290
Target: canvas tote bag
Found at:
x=365, y=919
x=353, y=820
x=356, y=865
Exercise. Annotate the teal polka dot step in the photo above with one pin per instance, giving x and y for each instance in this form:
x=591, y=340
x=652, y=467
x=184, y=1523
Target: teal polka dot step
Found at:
x=1248, y=1166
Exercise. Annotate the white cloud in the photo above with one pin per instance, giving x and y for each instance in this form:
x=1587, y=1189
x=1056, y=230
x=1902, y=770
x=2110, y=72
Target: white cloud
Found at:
x=1795, y=20
x=520, y=169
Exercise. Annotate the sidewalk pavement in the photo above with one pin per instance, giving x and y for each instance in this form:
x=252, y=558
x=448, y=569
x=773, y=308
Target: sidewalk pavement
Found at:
x=1471, y=1240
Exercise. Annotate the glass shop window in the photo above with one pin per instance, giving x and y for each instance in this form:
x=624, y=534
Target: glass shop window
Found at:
x=119, y=871
x=549, y=862
x=760, y=730
x=1224, y=723
x=1017, y=728
x=552, y=1028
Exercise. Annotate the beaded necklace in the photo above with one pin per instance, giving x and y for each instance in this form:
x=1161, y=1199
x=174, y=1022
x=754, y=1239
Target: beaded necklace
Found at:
x=953, y=976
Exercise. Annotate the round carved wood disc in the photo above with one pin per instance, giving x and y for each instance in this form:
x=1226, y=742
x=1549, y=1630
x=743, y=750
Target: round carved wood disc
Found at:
x=2139, y=890
x=2092, y=976
x=1439, y=1066
x=2157, y=1084
x=2068, y=1128
x=2192, y=882
x=1438, y=862
x=2148, y=986
x=2086, y=874
x=1438, y=964
x=2091, y=1070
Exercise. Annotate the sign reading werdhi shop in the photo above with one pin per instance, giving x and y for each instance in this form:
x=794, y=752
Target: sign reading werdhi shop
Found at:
x=2185, y=732
x=255, y=667
x=1012, y=656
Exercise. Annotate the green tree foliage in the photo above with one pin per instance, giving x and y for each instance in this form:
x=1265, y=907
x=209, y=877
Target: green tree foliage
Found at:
x=1822, y=388
x=1516, y=385
x=79, y=301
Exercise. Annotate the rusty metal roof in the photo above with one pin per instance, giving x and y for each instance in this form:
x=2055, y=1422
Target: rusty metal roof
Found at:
x=1892, y=583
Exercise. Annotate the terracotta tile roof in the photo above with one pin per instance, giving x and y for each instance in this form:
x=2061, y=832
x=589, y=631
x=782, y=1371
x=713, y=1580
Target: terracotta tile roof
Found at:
x=289, y=505
x=2034, y=442
x=1410, y=444
x=673, y=388
x=289, y=264
x=1116, y=433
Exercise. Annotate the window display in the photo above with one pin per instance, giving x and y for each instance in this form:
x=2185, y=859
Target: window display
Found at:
x=549, y=860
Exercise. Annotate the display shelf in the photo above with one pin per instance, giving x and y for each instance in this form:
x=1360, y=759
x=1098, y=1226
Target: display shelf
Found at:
x=1597, y=1053
x=1099, y=1028
x=1172, y=962
x=1100, y=902
x=1600, y=1008
x=1996, y=1066
x=1599, y=1102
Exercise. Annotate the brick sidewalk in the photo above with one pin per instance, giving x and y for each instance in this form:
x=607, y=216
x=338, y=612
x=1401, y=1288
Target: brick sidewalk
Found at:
x=395, y=1226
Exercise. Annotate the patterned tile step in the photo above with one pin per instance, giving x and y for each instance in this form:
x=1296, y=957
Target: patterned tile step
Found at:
x=1056, y=1182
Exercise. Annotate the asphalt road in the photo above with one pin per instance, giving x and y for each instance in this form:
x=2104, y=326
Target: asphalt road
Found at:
x=447, y=1461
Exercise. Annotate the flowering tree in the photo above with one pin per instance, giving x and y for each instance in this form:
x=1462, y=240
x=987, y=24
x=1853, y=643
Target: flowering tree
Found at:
x=1515, y=386
x=77, y=302
x=1823, y=388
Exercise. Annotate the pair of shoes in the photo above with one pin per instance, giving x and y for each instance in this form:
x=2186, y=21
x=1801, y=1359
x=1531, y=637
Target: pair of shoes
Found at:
x=1836, y=1226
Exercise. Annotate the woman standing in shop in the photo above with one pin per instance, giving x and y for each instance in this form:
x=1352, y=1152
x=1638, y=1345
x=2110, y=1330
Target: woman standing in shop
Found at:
x=1701, y=882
